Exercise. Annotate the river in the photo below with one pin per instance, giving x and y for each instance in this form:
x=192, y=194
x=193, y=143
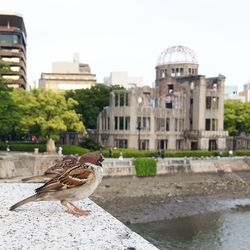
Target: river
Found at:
x=225, y=230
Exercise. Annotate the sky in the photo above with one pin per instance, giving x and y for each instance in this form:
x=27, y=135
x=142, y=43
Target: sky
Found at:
x=129, y=35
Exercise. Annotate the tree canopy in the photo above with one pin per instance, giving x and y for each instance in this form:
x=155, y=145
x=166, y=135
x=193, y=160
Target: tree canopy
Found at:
x=46, y=113
x=9, y=111
x=91, y=102
x=237, y=117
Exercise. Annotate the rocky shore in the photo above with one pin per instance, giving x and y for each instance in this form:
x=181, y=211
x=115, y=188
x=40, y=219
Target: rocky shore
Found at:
x=135, y=200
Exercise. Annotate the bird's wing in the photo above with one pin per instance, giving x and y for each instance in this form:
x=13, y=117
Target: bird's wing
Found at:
x=61, y=166
x=71, y=178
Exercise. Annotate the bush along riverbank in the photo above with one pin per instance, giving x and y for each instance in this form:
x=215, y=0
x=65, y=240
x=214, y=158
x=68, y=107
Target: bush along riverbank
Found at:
x=116, y=152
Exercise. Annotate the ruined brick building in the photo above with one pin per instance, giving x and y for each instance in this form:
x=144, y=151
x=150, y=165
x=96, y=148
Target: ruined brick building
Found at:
x=183, y=112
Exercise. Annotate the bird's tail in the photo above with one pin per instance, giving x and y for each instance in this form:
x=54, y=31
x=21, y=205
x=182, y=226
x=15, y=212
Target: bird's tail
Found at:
x=22, y=202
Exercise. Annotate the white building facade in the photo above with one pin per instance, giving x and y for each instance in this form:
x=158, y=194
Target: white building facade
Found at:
x=68, y=76
x=123, y=79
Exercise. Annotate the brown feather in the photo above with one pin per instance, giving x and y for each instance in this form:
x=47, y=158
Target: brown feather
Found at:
x=66, y=163
x=71, y=178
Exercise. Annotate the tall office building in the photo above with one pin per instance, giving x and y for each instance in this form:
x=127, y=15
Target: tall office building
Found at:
x=13, y=50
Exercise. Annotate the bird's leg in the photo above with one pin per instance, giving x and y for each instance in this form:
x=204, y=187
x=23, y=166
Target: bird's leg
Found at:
x=72, y=209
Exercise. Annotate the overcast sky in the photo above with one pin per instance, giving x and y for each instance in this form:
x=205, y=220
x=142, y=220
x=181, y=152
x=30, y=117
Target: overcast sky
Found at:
x=129, y=35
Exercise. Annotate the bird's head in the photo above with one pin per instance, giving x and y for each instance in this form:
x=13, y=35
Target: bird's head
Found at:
x=93, y=158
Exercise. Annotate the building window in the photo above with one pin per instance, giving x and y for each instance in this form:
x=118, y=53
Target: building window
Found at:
x=144, y=144
x=127, y=123
x=146, y=123
x=160, y=124
x=143, y=122
x=207, y=124
x=190, y=123
x=169, y=102
x=139, y=125
x=116, y=122
x=173, y=72
x=126, y=99
x=121, y=99
x=108, y=123
x=116, y=99
x=208, y=102
x=214, y=124
x=212, y=145
x=121, y=123
x=121, y=143
x=162, y=73
x=167, y=124
x=170, y=88
x=215, y=102
x=162, y=144
x=9, y=38
x=14, y=68
x=179, y=144
x=212, y=102
x=176, y=124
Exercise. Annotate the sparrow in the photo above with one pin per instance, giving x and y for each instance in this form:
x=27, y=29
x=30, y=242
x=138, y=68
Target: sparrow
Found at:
x=75, y=183
x=59, y=167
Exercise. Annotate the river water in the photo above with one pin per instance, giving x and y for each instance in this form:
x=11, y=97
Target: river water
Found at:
x=226, y=230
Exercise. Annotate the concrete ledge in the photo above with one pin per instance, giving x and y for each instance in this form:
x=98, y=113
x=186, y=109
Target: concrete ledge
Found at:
x=116, y=167
x=45, y=225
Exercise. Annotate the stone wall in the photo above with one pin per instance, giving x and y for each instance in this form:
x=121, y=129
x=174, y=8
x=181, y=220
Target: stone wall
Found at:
x=26, y=164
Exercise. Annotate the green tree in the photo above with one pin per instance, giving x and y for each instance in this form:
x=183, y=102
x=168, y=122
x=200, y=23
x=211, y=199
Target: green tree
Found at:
x=236, y=117
x=91, y=102
x=9, y=112
x=48, y=114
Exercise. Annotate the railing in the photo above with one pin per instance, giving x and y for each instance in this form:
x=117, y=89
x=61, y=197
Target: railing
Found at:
x=205, y=133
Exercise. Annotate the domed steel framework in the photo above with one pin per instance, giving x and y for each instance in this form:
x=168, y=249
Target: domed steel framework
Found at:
x=177, y=54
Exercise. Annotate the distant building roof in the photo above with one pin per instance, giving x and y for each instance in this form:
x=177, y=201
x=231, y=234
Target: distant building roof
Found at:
x=13, y=20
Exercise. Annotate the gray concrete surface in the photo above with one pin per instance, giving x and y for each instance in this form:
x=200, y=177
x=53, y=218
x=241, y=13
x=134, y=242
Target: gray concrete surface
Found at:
x=45, y=225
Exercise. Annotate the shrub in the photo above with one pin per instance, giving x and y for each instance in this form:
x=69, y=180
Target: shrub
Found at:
x=29, y=147
x=88, y=142
x=128, y=153
x=145, y=167
x=242, y=153
x=23, y=147
x=73, y=149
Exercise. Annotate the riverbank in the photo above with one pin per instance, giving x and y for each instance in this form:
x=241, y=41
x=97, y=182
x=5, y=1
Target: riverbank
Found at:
x=137, y=200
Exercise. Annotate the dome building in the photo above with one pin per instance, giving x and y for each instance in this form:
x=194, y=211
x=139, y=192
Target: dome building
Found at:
x=176, y=61
x=183, y=112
